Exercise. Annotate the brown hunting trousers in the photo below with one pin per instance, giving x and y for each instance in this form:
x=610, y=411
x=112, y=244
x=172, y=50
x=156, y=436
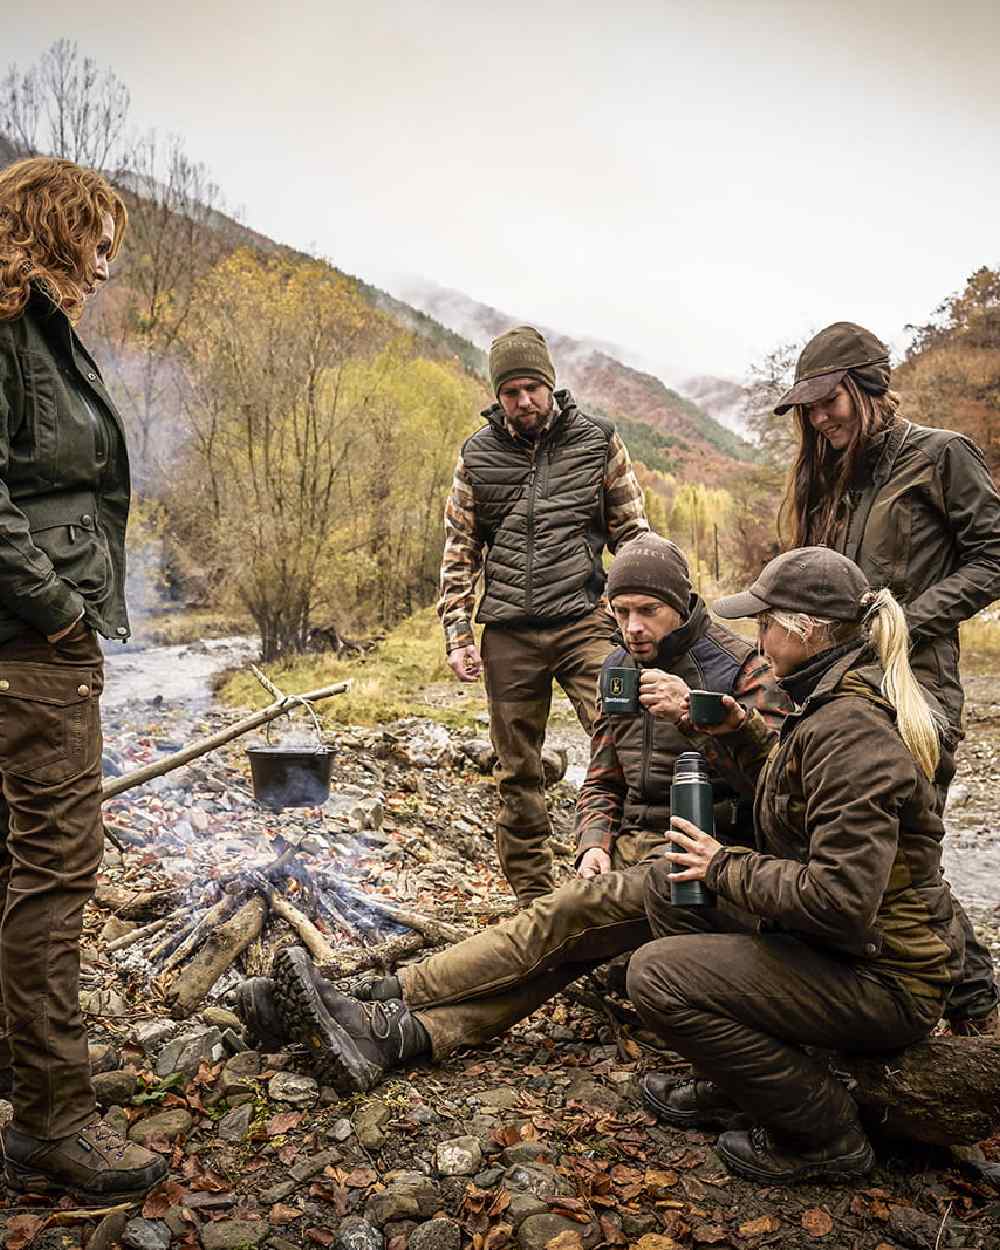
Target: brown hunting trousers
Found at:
x=478, y=988
x=741, y=1006
x=519, y=666
x=52, y=843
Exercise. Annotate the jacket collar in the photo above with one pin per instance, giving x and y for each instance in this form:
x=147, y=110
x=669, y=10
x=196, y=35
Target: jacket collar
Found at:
x=839, y=661
x=563, y=405
x=804, y=680
x=682, y=639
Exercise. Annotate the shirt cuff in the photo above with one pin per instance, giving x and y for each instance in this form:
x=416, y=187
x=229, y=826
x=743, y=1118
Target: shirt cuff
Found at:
x=458, y=634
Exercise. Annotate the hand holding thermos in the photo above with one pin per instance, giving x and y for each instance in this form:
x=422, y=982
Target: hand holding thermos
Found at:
x=692, y=826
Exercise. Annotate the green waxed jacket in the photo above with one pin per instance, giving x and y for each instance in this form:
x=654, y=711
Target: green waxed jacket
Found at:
x=64, y=481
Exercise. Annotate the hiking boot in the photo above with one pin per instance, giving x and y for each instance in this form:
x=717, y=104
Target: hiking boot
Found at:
x=978, y=1026
x=253, y=1001
x=757, y=1155
x=689, y=1104
x=376, y=989
x=96, y=1165
x=352, y=1043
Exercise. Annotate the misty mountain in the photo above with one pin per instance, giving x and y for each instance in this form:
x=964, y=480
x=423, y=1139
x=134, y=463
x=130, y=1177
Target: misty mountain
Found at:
x=667, y=430
x=721, y=398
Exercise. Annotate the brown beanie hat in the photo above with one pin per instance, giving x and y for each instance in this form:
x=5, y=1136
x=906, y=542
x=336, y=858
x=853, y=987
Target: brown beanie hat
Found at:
x=651, y=565
x=520, y=353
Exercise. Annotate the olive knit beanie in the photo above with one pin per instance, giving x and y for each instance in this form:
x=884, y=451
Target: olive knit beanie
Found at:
x=651, y=565
x=520, y=353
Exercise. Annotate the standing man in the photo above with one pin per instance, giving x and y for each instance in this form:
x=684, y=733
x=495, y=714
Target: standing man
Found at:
x=539, y=491
x=64, y=499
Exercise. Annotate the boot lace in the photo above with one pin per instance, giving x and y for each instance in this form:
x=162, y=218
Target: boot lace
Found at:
x=759, y=1139
x=381, y=1016
x=105, y=1138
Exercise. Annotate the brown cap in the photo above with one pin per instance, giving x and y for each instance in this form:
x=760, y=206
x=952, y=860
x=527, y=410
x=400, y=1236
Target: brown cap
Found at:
x=651, y=565
x=520, y=353
x=841, y=348
x=813, y=580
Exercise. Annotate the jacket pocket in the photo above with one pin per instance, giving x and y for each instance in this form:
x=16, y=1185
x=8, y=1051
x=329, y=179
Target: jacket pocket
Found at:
x=79, y=555
x=41, y=411
x=49, y=720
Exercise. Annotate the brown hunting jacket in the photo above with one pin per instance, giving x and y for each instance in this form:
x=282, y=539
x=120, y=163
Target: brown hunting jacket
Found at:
x=924, y=520
x=849, y=838
x=627, y=787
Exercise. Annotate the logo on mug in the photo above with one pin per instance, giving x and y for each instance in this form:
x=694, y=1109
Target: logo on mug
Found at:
x=616, y=686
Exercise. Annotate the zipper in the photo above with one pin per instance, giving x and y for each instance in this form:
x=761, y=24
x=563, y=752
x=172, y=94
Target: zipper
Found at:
x=647, y=744
x=100, y=449
x=529, y=535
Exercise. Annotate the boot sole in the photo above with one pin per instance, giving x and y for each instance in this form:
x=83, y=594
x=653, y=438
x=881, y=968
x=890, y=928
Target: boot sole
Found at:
x=846, y=1168
x=246, y=1009
x=335, y=1057
x=22, y=1180
x=681, y=1119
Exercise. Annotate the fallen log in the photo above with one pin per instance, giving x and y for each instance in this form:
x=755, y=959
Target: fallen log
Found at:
x=944, y=1091
x=224, y=944
x=311, y=938
x=383, y=957
x=436, y=931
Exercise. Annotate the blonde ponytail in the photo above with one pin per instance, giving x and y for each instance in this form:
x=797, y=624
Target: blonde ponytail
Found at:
x=915, y=721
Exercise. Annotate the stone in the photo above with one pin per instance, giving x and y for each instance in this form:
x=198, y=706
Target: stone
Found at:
x=246, y=1063
x=538, y=1230
x=487, y=1179
x=151, y=1034
x=103, y=1057
x=114, y=928
x=368, y=1121
x=461, y=1156
x=305, y=1169
x=187, y=1052
x=277, y=1193
x=538, y=1179
x=168, y=1125
x=109, y=1233
x=341, y=1129
x=397, y=1233
x=438, y=1234
x=419, y=1187
x=142, y=1234
x=235, y=1124
x=636, y=1224
x=355, y=1233
x=528, y=1152
x=113, y=1089
x=592, y=1094
x=523, y=1205
x=555, y=761
x=221, y=1018
x=233, y=1234
x=503, y=1098
x=293, y=1088
x=390, y=1204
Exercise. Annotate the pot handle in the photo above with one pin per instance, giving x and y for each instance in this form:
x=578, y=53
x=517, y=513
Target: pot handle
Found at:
x=295, y=698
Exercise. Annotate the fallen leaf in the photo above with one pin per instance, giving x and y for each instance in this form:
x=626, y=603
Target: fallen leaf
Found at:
x=321, y=1236
x=709, y=1234
x=656, y=1179
x=817, y=1222
x=656, y=1241
x=282, y=1213
x=282, y=1122
x=498, y=1236
x=568, y=1239
x=611, y=1232
x=762, y=1224
x=360, y=1178
x=22, y=1230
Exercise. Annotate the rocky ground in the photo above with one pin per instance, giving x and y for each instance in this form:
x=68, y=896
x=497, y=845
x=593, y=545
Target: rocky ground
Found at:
x=538, y=1141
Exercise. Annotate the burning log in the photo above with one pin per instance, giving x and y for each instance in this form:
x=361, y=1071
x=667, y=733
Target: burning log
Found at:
x=314, y=941
x=383, y=958
x=221, y=948
x=437, y=932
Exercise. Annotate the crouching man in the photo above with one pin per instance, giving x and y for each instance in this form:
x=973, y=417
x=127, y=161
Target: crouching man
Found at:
x=834, y=928
x=478, y=988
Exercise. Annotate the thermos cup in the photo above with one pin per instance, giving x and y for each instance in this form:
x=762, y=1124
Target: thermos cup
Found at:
x=620, y=691
x=691, y=797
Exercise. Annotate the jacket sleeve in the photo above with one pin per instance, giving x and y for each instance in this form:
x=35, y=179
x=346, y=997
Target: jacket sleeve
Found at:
x=740, y=756
x=29, y=584
x=856, y=775
x=460, y=563
x=624, y=507
x=601, y=800
x=972, y=507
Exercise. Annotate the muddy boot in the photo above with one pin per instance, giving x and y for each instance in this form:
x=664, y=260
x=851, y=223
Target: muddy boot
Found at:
x=689, y=1104
x=987, y=1025
x=756, y=1154
x=253, y=1002
x=352, y=1043
x=96, y=1165
x=377, y=989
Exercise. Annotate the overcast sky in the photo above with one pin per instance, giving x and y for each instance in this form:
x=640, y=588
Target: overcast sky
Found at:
x=696, y=181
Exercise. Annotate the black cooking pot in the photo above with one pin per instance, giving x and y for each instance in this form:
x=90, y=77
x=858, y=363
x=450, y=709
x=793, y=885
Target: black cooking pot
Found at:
x=290, y=776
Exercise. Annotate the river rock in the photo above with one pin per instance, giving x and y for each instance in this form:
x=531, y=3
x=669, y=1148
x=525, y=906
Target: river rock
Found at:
x=538, y=1230
x=592, y=1094
x=390, y=1204
x=438, y=1234
x=189, y=1051
x=293, y=1088
x=503, y=1098
x=233, y=1234
x=538, y=1179
x=169, y=1125
x=355, y=1233
x=528, y=1152
x=151, y=1034
x=368, y=1121
x=523, y=1205
x=146, y=1235
x=235, y=1124
x=461, y=1156
x=114, y=1089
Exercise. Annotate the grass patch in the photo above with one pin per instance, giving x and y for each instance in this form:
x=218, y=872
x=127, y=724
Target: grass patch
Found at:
x=406, y=675
x=171, y=627
x=980, y=641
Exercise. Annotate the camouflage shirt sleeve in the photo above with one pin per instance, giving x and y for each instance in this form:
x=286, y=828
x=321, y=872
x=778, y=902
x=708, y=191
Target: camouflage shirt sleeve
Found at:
x=624, y=508
x=460, y=563
x=601, y=801
x=740, y=756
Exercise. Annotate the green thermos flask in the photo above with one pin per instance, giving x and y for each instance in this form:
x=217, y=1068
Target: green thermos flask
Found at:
x=691, y=797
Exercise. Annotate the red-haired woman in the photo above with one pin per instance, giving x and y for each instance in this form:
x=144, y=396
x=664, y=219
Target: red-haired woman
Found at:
x=917, y=510
x=64, y=497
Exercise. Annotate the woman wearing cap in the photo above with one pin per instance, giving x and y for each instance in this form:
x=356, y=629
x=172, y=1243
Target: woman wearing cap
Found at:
x=838, y=930
x=917, y=510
